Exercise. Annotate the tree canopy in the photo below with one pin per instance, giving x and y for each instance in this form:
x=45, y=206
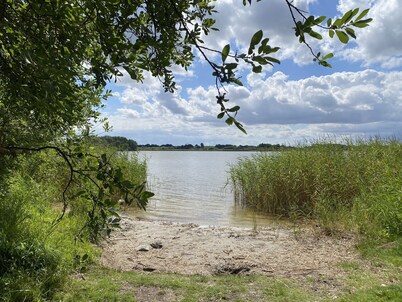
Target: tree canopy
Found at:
x=56, y=57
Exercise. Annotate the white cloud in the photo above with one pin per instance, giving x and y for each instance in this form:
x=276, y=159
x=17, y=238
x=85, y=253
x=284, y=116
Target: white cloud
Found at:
x=380, y=43
x=346, y=97
x=273, y=109
x=237, y=24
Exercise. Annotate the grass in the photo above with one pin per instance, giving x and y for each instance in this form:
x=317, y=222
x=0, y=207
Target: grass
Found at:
x=108, y=285
x=36, y=255
x=359, y=284
x=355, y=185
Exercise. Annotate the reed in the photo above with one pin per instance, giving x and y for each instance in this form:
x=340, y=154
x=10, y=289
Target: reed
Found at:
x=337, y=184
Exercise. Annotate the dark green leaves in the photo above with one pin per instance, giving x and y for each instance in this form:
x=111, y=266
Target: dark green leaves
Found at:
x=234, y=109
x=240, y=127
x=225, y=52
x=254, y=41
x=362, y=23
x=257, y=69
x=340, y=27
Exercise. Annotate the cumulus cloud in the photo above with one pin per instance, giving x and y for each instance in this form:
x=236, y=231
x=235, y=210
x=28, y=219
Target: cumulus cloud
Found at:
x=377, y=44
x=237, y=24
x=346, y=97
x=275, y=107
x=380, y=43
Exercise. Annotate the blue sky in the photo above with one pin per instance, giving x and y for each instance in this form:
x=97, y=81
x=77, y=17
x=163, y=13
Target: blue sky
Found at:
x=297, y=100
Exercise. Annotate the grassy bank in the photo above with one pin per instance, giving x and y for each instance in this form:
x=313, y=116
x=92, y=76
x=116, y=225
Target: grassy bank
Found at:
x=358, y=284
x=355, y=185
x=37, y=254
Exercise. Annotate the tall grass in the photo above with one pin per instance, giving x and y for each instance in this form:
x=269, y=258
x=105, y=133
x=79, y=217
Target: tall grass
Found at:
x=356, y=183
x=36, y=254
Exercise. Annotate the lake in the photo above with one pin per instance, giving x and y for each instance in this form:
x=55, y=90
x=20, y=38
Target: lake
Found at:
x=192, y=186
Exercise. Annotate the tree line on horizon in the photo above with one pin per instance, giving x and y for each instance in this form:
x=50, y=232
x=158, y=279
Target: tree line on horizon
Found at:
x=122, y=143
x=220, y=147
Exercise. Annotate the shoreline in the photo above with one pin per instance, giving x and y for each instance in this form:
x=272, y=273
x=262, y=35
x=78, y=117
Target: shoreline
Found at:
x=190, y=249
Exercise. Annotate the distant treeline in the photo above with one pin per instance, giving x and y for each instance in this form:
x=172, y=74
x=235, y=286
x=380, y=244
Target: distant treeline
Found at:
x=218, y=147
x=124, y=144
x=119, y=142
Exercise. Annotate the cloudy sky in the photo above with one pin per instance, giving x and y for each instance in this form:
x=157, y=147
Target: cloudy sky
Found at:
x=296, y=100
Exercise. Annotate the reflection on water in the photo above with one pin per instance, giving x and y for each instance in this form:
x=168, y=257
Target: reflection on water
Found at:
x=192, y=187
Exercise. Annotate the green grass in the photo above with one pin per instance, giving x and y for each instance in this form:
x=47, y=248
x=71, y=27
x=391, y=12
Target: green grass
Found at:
x=36, y=255
x=359, y=284
x=107, y=285
x=357, y=187
x=354, y=186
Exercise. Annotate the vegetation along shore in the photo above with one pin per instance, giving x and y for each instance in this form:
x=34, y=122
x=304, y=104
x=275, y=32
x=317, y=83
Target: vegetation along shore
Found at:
x=337, y=235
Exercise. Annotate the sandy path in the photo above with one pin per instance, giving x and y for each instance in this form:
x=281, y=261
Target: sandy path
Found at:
x=193, y=249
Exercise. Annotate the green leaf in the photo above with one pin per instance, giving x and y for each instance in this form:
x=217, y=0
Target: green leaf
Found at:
x=338, y=23
x=221, y=115
x=265, y=41
x=355, y=11
x=259, y=60
x=329, y=22
x=225, y=52
x=309, y=21
x=315, y=35
x=331, y=33
x=362, y=23
x=256, y=39
x=257, y=69
x=237, y=81
x=146, y=195
x=240, y=127
x=229, y=120
x=344, y=38
x=350, y=32
x=362, y=14
x=231, y=66
x=319, y=20
x=347, y=16
x=234, y=109
x=273, y=60
x=325, y=64
x=328, y=56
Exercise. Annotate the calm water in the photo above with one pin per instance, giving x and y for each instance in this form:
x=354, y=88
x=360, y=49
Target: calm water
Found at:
x=192, y=187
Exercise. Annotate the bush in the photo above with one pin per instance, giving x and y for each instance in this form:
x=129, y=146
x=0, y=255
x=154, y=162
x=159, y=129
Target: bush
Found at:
x=35, y=252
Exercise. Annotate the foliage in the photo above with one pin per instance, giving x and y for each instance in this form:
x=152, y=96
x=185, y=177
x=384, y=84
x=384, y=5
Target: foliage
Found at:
x=340, y=185
x=118, y=142
x=217, y=147
x=36, y=251
x=56, y=57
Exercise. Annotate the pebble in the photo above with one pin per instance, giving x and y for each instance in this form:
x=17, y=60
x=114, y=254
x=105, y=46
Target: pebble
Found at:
x=143, y=248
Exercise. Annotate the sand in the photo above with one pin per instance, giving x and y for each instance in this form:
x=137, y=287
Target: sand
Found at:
x=280, y=251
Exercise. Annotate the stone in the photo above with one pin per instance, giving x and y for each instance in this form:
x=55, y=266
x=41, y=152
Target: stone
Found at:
x=143, y=248
x=156, y=245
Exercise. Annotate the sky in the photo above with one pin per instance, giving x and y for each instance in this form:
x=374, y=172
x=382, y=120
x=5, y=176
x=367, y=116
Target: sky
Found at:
x=298, y=100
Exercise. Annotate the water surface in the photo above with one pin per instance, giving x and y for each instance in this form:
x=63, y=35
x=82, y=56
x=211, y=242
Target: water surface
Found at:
x=192, y=186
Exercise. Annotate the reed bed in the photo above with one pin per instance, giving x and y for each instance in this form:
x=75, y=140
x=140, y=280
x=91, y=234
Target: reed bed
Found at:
x=337, y=184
